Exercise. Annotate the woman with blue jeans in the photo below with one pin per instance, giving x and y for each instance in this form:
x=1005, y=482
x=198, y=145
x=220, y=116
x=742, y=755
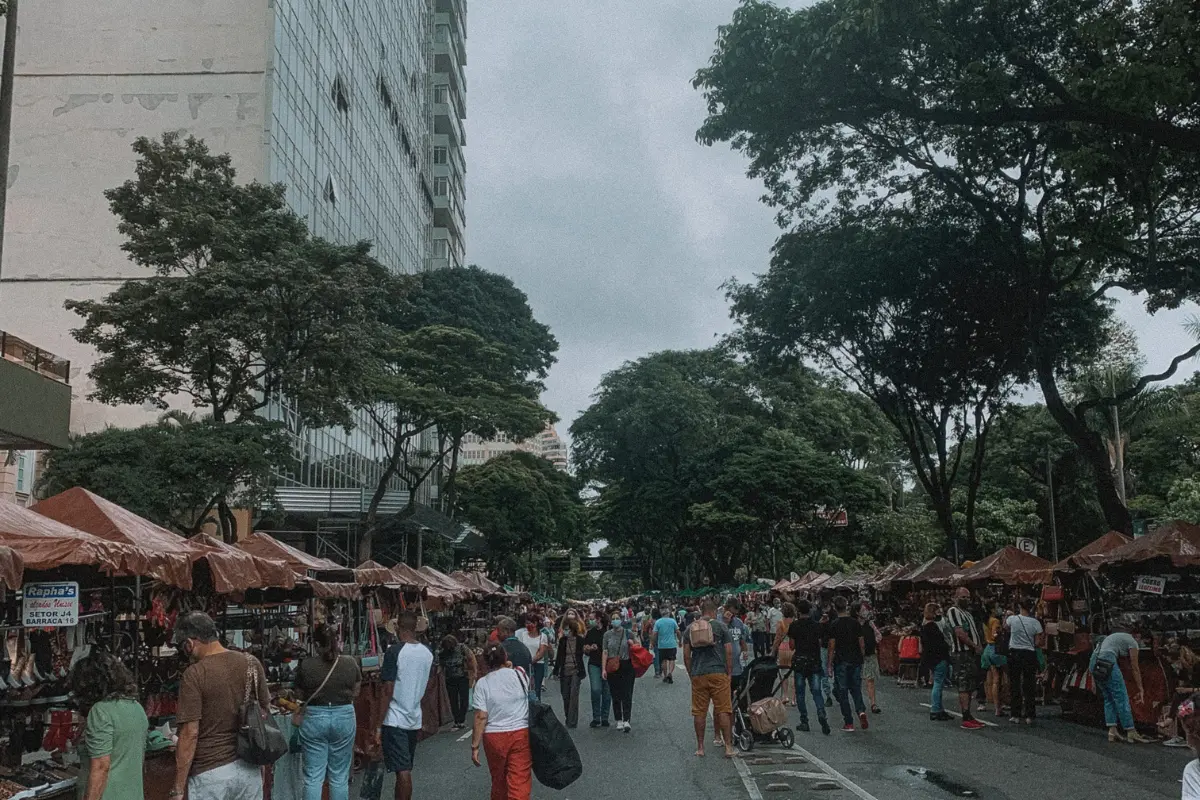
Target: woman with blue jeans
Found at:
x=1110, y=683
x=935, y=656
x=329, y=683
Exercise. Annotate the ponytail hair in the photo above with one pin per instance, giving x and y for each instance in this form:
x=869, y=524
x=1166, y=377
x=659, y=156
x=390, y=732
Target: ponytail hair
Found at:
x=326, y=640
x=495, y=656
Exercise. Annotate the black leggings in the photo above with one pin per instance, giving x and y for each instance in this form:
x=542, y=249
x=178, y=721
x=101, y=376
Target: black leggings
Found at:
x=457, y=688
x=620, y=684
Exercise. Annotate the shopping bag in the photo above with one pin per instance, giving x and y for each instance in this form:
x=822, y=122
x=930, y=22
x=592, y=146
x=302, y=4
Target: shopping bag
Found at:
x=556, y=761
x=642, y=659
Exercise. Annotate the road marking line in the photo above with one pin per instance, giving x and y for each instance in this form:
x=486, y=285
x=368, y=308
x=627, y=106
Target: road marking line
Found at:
x=956, y=714
x=862, y=793
x=748, y=779
x=464, y=737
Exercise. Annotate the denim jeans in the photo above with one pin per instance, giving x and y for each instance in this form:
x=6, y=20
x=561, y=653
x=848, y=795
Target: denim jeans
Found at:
x=1116, y=695
x=601, y=696
x=847, y=684
x=814, y=681
x=327, y=735
x=826, y=681
x=940, y=672
x=657, y=664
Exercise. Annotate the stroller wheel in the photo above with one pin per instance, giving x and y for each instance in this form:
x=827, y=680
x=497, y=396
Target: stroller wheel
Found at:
x=744, y=741
x=786, y=737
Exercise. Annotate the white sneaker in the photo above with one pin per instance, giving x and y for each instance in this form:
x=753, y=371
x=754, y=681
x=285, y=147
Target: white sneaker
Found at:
x=627, y=728
x=621, y=725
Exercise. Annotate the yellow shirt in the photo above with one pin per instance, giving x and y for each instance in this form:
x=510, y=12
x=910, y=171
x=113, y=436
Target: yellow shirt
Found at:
x=993, y=628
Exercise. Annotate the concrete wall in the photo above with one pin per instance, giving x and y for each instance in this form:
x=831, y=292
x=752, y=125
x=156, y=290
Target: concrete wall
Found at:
x=90, y=78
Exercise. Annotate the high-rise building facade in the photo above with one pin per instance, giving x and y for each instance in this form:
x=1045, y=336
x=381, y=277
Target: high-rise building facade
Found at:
x=547, y=444
x=357, y=106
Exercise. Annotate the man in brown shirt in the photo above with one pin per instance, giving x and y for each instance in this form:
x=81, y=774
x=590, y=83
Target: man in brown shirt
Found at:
x=210, y=704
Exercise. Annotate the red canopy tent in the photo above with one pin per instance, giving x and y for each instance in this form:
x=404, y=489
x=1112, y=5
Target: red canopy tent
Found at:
x=1091, y=556
x=370, y=573
x=1178, y=541
x=935, y=570
x=1007, y=565
x=266, y=546
x=235, y=570
x=92, y=514
x=44, y=544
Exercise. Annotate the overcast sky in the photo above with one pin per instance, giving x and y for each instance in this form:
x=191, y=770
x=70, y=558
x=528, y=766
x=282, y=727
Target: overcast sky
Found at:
x=587, y=187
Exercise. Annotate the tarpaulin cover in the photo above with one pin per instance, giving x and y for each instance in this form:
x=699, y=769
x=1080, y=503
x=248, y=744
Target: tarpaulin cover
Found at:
x=1007, y=565
x=477, y=581
x=369, y=573
x=92, y=514
x=883, y=578
x=1178, y=541
x=235, y=570
x=445, y=581
x=790, y=585
x=45, y=544
x=1091, y=556
x=407, y=576
x=12, y=568
x=265, y=546
x=935, y=569
x=348, y=591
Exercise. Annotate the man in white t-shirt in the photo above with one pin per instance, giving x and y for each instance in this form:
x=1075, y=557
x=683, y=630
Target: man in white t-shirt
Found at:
x=405, y=675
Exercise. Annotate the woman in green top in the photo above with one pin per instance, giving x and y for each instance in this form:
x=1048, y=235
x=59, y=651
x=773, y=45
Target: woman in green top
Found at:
x=113, y=747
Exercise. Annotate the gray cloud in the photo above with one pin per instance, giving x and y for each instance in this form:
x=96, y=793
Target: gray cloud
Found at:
x=587, y=187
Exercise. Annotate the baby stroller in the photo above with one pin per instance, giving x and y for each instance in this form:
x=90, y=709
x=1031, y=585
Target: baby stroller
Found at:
x=759, y=716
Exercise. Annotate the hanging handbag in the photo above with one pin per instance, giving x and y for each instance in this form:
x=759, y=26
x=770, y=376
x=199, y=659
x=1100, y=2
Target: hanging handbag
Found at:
x=259, y=741
x=1052, y=594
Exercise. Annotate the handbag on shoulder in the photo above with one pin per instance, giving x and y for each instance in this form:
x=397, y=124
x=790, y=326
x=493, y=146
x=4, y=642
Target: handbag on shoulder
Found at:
x=259, y=741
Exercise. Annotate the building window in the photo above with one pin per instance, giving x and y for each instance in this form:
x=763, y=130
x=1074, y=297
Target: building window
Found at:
x=340, y=95
x=441, y=155
x=441, y=248
x=330, y=193
x=441, y=93
x=24, y=473
x=441, y=187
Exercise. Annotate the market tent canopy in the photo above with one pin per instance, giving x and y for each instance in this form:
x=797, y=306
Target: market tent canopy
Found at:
x=370, y=573
x=12, y=569
x=44, y=544
x=479, y=581
x=1007, y=565
x=265, y=546
x=1092, y=555
x=934, y=570
x=324, y=591
x=883, y=578
x=1178, y=541
x=92, y=514
x=235, y=570
x=442, y=579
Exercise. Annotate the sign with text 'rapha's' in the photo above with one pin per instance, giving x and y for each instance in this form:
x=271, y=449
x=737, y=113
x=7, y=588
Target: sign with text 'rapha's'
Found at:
x=50, y=605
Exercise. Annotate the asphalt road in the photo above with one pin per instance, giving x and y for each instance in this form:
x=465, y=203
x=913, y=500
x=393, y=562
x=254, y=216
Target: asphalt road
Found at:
x=903, y=756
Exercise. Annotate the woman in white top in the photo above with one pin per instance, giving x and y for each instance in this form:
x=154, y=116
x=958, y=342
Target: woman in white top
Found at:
x=1023, y=634
x=538, y=645
x=502, y=726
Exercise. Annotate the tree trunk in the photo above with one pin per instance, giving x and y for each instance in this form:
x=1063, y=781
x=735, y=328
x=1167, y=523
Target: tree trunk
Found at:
x=1091, y=445
x=227, y=521
x=366, y=541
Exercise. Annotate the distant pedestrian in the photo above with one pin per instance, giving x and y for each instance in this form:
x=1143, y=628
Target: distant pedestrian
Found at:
x=772, y=616
x=501, y=726
x=665, y=641
x=618, y=671
x=806, y=636
x=569, y=667
x=935, y=660
x=593, y=648
x=781, y=647
x=518, y=653
x=538, y=645
x=757, y=622
x=459, y=668
x=996, y=665
x=845, y=639
x=708, y=656
x=966, y=647
x=1105, y=667
x=871, y=638
x=1024, y=632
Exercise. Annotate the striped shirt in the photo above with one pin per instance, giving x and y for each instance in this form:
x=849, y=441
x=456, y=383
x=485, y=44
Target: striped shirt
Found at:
x=957, y=618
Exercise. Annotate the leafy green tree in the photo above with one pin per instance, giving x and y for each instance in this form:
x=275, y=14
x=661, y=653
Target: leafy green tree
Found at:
x=173, y=472
x=576, y=585
x=243, y=310
x=1066, y=132
x=522, y=505
x=1183, y=501
x=1167, y=450
x=921, y=334
x=910, y=535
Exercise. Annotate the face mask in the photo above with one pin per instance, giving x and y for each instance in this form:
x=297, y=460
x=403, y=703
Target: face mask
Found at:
x=616, y=623
x=591, y=623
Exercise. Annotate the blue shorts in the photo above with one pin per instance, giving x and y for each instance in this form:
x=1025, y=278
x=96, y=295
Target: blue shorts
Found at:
x=399, y=747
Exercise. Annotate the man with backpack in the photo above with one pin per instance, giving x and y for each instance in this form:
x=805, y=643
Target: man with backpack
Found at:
x=708, y=657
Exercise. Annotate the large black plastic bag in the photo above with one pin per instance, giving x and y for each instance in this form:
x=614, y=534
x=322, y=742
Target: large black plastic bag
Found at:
x=556, y=762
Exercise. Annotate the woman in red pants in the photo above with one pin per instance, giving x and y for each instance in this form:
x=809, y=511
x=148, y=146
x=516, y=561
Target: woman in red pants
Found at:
x=502, y=726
